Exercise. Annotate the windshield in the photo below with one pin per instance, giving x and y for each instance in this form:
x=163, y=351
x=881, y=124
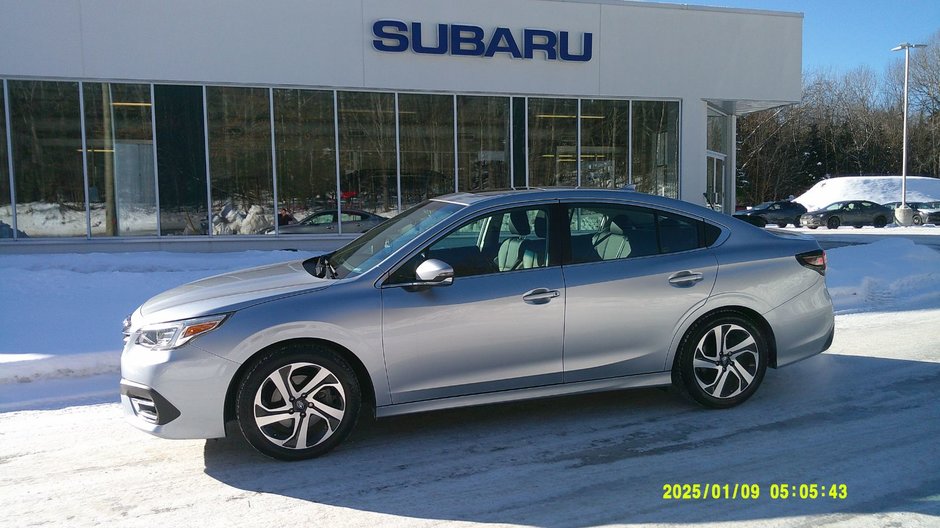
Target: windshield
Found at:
x=761, y=206
x=363, y=253
x=835, y=206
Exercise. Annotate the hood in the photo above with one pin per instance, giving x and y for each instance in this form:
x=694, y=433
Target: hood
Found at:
x=231, y=291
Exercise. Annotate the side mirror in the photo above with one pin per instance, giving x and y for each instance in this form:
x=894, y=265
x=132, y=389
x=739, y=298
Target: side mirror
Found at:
x=434, y=272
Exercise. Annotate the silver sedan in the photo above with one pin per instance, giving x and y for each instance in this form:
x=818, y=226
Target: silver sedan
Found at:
x=471, y=299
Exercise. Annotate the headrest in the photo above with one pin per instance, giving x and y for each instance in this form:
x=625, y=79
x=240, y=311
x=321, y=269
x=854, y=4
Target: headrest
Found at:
x=619, y=224
x=519, y=223
x=541, y=225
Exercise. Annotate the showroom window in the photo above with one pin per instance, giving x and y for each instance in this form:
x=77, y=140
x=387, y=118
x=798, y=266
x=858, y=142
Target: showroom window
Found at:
x=367, y=156
x=553, y=142
x=483, y=143
x=46, y=134
x=655, y=148
x=239, y=127
x=6, y=208
x=181, y=159
x=119, y=155
x=305, y=147
x=426, y=136
x=604, y=143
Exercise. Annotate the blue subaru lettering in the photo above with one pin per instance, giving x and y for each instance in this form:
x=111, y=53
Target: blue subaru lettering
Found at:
x=382, y=29
x=548, y=44
x=458, y=40
x=417, y=43
x=500, y=35
x=586, y=51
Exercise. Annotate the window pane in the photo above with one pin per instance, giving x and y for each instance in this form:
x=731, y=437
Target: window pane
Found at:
x=47, y=157
x=368, y=171
x=118, y=133
x=717, y=137
x=677, y=233
x=604, y=138
x=611, y=232
x=656, y=147
x=553, y=144
x=181, y=159
x=483, y=142
x=427, y=146
x=6, y=210
x=306, y=149
x=240, y=160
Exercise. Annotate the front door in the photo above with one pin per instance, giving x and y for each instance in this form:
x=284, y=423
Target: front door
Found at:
x=715, y=184
x=499, y=326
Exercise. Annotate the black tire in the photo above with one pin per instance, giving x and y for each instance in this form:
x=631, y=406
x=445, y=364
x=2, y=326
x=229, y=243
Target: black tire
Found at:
x=857, y=226
x=781, y=224
x=918, y=220
x=881, y=221
x=833, y=222
x=701, y=383
x=813, y=227
x=337, y=391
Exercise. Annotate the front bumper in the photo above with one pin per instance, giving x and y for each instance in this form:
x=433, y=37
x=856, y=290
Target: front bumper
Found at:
x=176, y=393
x=811, y=221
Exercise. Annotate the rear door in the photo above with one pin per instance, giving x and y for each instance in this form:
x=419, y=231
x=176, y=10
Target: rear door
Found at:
x=631, y=276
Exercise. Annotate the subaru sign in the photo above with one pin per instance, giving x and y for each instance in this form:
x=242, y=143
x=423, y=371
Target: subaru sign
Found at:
x=395, y=36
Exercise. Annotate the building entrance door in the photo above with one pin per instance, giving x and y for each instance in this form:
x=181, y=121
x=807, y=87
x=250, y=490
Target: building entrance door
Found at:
x=715, y=184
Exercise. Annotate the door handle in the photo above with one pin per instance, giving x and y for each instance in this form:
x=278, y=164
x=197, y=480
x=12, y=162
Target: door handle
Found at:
x=540, y=296
x=685, y=279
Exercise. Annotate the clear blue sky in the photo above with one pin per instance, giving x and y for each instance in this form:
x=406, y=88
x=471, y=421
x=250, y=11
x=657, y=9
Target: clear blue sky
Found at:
x=845, y=34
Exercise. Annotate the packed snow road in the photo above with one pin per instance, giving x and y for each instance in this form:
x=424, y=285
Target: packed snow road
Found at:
x=865, y=415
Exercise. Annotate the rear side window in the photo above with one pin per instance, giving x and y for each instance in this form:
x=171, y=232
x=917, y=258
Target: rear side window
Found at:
x=614, y=232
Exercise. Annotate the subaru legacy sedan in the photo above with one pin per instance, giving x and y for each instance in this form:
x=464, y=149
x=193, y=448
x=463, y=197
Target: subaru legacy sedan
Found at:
x=471, y=299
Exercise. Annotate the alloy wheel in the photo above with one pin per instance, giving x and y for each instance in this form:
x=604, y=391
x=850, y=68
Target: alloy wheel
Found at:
x=726, y=361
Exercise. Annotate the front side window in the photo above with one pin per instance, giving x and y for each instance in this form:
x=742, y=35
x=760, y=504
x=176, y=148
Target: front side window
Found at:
x=509, y=240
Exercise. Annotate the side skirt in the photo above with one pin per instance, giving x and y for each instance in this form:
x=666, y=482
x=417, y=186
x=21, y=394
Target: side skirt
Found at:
x=657, y=379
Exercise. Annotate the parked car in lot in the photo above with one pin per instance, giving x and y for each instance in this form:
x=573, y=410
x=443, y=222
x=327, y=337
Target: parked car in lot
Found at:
x=324, y=222
x=471, y=299
x=781, y=212
x=856, y=213
x=919, y=217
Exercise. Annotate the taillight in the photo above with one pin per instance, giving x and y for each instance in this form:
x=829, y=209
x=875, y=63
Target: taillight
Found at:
x=814, y=260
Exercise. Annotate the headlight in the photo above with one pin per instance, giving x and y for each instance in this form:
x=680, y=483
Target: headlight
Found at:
x=820, y=215
x=164, y=336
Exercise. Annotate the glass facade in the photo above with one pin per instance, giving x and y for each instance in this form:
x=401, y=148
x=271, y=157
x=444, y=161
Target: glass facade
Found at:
x=6, y=210
x=483, y=153
x=655, y=147
x=103, y=159
x=240, y=164
x=119, y=157
x=553, y=142
x=305, y=148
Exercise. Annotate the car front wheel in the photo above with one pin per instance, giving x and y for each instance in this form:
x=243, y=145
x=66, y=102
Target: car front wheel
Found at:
x=298, y=402
x=833, y=222
x=722, y=361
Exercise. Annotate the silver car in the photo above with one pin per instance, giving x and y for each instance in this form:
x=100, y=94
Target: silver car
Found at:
x=471, y=299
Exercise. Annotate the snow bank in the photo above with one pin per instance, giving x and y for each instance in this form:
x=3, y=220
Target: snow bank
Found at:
x=889, y=275
x=62, y=313
x=878, y=189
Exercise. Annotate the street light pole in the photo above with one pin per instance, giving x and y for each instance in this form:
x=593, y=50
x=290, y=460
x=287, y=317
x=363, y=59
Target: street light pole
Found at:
x=904, y=215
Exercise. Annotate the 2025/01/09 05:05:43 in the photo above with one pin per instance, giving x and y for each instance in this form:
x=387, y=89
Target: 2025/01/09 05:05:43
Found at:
x=778, y=491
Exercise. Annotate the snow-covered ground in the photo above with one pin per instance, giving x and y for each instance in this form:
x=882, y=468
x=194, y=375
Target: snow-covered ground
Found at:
x=878, y=189
x=864, y=414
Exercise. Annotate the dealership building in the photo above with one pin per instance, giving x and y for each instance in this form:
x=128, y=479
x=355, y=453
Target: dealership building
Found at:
x=191, y=125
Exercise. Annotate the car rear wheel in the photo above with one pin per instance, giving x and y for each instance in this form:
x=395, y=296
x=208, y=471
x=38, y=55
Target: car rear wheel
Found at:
x=833, y=222
x=781, y=224
x=918, y=220
x=298, y=402
x=881, y=221
x=722, y=360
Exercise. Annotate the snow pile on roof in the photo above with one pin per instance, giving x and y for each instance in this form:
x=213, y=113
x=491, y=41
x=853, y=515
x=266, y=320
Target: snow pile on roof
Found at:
x=878, y=189
x=889, y=275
